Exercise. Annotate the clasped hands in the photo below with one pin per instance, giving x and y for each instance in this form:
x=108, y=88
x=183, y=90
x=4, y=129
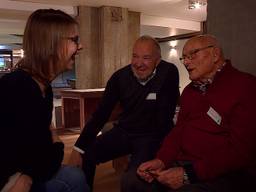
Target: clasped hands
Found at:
x=155, y=169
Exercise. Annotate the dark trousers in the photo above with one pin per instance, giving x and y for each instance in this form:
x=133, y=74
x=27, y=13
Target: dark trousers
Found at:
x=116, y=143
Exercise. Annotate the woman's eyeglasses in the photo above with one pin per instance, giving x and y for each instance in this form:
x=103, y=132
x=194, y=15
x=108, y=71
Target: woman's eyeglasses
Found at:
x=75, y=39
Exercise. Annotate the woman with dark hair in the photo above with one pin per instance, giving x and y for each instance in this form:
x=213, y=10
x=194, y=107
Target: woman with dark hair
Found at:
x=30, y=157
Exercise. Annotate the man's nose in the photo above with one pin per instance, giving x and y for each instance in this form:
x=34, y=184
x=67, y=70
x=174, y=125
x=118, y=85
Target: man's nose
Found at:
x=139, y=62
x=186, y=62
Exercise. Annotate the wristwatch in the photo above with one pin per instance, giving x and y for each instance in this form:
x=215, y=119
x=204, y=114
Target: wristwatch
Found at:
x=185, y=178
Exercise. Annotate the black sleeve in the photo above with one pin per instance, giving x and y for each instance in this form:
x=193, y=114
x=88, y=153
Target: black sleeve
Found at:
x=25, y=140
x=167, y=101
x=5, y=170
x=101, y=115
x=43, y=163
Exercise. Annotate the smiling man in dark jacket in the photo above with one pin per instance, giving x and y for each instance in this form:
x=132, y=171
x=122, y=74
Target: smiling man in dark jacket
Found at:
x=147, y=90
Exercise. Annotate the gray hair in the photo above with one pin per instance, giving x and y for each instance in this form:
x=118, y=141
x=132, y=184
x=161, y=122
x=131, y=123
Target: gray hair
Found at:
x=151, y=39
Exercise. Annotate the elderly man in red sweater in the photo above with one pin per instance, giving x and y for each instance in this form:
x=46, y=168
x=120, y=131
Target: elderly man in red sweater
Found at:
x=212, y=147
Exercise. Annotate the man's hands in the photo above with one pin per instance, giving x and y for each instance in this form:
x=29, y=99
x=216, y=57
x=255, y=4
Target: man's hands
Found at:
x=150, y=169
x=154, y=169
x=75, y=159
x=172, y=178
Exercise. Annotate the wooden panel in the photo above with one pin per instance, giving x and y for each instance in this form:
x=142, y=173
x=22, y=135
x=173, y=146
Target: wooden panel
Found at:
x=70, y=113
x=78, y=105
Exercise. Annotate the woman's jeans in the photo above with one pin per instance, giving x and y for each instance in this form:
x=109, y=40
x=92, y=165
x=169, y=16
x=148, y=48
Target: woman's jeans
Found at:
x=67, y=179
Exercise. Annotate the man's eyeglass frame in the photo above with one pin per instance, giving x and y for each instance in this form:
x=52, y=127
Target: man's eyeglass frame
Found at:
x=192, y=53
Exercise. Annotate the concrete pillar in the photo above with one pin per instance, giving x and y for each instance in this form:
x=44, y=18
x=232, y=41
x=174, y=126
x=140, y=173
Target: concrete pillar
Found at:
x=107, y=34
x=88, y=70
x=114, y=40
x=133, y=30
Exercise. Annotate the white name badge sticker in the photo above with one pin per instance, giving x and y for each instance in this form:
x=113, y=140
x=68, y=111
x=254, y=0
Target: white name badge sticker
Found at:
x=151, y=96
x=214, y=115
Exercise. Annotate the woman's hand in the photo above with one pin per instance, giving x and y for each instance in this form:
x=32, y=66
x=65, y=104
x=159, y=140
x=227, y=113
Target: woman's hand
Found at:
x=22, y=184
x=75, y=159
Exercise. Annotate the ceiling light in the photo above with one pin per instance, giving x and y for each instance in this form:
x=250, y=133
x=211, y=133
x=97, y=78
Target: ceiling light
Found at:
x=196, y=4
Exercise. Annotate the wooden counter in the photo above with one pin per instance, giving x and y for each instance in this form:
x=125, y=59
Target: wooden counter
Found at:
x=79, y=104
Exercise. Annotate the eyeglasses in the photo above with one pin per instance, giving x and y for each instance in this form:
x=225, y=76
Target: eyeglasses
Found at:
x=75, y=39
x=191, y=55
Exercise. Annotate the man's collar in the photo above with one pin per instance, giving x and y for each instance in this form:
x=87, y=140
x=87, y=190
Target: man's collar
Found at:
x=145, y=81
x=202, y=85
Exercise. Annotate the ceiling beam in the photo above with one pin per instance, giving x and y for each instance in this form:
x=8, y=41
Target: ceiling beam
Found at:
x=170, y=22
x=178, y=37
x=203, y=30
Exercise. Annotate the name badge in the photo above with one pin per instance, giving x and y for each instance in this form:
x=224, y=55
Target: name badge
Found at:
x=214, y=115
x=151, y=96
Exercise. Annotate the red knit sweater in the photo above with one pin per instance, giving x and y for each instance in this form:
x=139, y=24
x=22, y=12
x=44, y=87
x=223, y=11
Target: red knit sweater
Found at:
x=215, y=149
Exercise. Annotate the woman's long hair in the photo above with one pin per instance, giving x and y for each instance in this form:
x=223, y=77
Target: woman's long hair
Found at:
x=43, y=43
